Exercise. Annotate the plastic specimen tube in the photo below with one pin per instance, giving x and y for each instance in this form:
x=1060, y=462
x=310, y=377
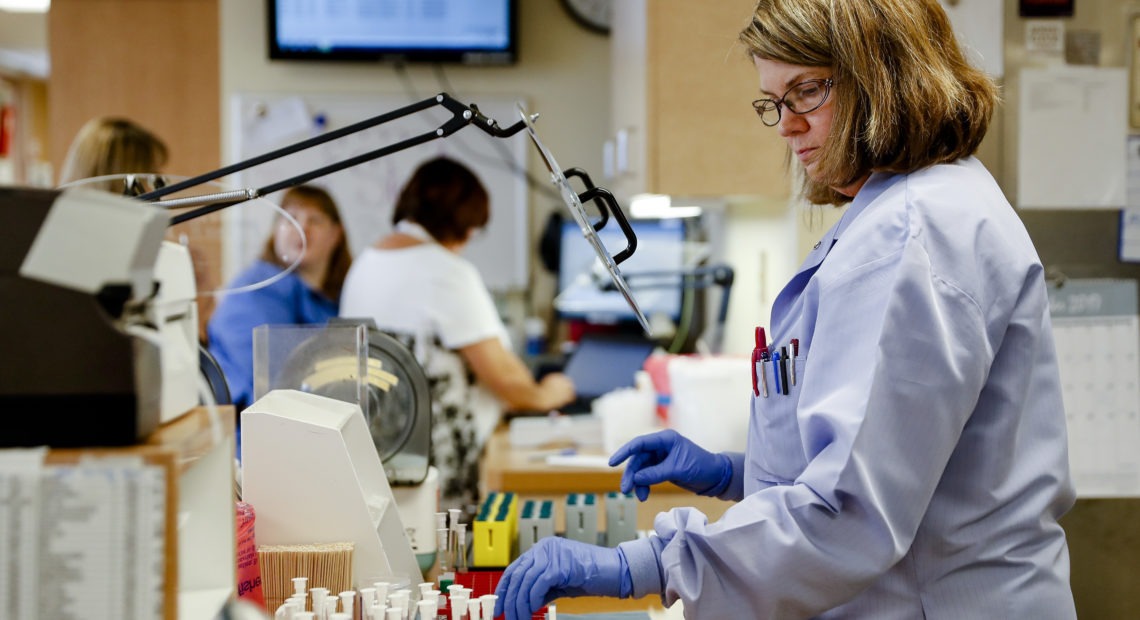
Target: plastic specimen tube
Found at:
x=461, y=548
x=488, y=603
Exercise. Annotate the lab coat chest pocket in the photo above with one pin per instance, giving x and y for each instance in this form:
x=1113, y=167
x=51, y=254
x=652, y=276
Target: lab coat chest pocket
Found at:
x=775, y=449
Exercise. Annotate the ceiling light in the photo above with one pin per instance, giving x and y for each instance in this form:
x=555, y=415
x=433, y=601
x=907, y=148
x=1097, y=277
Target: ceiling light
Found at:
x=659, y=206
x=25, y=6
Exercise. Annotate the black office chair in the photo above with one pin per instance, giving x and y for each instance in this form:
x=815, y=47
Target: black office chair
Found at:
x=212, y=373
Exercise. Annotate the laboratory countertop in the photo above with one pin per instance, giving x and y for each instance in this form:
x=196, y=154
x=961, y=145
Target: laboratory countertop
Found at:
x=529, y=470
x=532, y=475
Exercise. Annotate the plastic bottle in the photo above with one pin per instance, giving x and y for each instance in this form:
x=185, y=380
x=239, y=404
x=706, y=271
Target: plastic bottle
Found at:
x=248, y=568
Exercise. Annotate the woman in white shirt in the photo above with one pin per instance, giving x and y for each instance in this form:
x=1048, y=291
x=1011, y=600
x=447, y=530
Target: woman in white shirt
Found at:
x=414, y=283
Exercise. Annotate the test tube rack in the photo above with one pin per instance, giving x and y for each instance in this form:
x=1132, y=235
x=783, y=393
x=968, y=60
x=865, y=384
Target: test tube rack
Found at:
x=582, y=517
x=536, y=521
x=495, y=531
x=621, y=518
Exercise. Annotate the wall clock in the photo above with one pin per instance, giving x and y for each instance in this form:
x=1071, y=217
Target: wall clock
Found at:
x=595, y=15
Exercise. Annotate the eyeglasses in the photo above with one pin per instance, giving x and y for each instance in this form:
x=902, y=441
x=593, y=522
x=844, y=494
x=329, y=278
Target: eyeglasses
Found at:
x=802, y=98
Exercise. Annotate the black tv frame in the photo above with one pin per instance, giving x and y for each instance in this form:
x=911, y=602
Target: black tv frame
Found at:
x=463, y=56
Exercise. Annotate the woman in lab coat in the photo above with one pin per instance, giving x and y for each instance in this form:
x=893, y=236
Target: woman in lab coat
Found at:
x=917, y=465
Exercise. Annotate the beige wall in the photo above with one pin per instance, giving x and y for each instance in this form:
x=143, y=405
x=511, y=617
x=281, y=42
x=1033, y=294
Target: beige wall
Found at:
x=23, y=31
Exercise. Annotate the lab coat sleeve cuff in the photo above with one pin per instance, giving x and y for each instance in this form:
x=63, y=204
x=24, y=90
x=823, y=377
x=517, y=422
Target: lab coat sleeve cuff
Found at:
x=644, y=558
x=734, y=490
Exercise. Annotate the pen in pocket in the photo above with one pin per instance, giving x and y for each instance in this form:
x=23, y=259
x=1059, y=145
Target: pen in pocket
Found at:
x=784, y=368
x=776, y=371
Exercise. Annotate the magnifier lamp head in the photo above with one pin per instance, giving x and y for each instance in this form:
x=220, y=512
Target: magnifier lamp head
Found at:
x=577, y=211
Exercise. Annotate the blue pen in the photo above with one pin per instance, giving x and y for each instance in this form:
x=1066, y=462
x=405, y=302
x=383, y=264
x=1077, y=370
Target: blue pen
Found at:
x=776, y=370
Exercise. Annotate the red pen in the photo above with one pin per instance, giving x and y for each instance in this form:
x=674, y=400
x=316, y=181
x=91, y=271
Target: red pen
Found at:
x=760, y=354
x=755, y=361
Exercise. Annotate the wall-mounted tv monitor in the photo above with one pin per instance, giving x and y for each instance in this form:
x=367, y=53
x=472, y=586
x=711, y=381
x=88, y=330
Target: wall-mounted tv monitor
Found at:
x=475, y=32
x=653, y=272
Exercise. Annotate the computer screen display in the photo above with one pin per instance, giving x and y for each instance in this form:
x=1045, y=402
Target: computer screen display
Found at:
x=460, y=31
x=653, y=272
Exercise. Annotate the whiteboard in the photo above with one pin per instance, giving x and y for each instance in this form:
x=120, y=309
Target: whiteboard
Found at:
x=366, y=193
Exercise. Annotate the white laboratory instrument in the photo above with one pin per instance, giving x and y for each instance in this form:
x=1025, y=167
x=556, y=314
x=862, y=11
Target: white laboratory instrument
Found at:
x=76, y=276
x=312, y=471
x=417, y=505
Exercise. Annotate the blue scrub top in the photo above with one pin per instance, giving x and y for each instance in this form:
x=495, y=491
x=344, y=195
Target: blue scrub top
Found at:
x=289, y=301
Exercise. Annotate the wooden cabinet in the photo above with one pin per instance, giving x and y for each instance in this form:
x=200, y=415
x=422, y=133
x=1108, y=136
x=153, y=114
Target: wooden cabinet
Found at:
x=682, y=91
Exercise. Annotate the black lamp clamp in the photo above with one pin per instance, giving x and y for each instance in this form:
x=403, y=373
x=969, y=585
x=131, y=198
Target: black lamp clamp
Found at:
x=604, y=200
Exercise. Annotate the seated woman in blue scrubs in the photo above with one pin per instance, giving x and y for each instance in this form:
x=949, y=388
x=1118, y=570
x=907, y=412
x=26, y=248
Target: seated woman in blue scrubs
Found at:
x=309, y=294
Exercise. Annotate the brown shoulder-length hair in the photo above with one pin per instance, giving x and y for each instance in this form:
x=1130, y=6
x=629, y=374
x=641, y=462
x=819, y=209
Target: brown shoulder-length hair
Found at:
x=340, y=260
x=905, y=96
x=446, y=198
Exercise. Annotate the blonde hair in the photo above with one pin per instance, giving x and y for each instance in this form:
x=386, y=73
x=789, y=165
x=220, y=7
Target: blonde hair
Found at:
x=905, y=96
x=112, y=145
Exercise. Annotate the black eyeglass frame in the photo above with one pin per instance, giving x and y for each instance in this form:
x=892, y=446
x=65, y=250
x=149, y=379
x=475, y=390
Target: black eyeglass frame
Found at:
x=760, y=106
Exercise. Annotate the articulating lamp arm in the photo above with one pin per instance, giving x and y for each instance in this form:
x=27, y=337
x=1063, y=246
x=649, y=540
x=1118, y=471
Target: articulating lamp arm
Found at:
x=461, y=116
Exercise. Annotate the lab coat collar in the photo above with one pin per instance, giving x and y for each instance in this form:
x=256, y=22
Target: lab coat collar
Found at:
x=876, y=184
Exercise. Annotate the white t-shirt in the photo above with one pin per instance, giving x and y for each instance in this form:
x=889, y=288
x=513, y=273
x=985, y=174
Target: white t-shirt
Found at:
x=423, y=289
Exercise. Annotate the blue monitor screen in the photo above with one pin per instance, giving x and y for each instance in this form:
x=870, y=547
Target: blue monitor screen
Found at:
x=659, y=258
x=463, y=31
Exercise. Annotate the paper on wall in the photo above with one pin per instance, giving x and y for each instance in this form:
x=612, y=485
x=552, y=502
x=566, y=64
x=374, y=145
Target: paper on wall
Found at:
x=978, y=24
x=1071, y=138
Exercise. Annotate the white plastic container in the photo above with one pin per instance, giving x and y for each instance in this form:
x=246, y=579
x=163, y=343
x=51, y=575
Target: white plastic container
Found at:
x=626, y=413
x=711, y=400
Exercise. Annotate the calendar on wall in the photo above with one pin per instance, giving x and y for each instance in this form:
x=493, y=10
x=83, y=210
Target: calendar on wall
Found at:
x=1097, y=333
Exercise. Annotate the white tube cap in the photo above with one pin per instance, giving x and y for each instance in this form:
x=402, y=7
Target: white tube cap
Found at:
x=488, y=603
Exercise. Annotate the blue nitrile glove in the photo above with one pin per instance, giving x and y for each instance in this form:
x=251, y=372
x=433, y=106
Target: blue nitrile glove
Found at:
x=556, y=567
x=666, y=456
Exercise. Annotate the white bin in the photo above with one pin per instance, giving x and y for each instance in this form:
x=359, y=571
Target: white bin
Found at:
x=710, y=400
